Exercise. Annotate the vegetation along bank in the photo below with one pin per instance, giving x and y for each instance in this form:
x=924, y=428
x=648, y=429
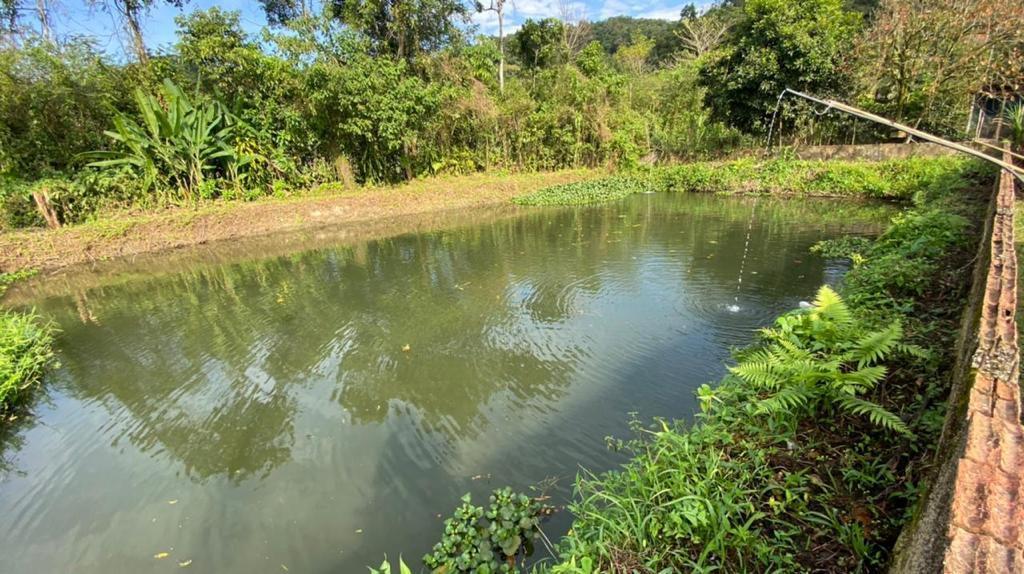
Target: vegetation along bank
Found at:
x=811, y=454
x=26, y=347
x=224, y=132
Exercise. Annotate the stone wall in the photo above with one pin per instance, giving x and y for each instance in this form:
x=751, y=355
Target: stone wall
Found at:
x=873, y=152
x=972, y=519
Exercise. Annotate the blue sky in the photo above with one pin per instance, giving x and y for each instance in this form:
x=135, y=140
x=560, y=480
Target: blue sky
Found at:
x=77, y=17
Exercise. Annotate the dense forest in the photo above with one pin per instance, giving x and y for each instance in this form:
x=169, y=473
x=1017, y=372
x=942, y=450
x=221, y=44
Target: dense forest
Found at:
x=382, y=91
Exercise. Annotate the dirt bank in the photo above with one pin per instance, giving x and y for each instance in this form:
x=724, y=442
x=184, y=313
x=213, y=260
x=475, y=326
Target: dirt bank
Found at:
x=132, y=234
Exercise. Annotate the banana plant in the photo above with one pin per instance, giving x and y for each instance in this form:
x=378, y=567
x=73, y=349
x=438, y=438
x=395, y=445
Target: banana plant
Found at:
x=177, y=146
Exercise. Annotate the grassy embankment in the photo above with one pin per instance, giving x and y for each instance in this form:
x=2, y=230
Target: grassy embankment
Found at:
x=892, y=179
x=813, y=452
x=129, y=232
x=26, y=347
x=781, y=471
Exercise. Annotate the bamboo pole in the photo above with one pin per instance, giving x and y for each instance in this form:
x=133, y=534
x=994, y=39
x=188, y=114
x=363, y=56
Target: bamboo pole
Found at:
x=998, y=149
x=912, y=131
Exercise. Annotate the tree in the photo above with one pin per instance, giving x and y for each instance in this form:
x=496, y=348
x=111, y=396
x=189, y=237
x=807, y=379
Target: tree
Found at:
x=702, y=34
x=55, y=102
x=632, y=58
x=8, y=20
x=798, y=44
x=922, y=61
x=11, y=11
x=575, y=28
x=265, y=91
x=538, y=42
x=620, y=30
x=130, y=12
x=403, y=28
x=498, y=7
x=280, y=12
x=371, y=109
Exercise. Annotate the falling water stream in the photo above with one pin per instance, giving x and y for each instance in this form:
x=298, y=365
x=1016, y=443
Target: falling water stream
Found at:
x=735, y=307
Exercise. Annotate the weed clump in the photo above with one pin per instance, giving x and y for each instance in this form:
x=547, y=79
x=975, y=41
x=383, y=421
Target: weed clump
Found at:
x=26, y=347
x=892, y=180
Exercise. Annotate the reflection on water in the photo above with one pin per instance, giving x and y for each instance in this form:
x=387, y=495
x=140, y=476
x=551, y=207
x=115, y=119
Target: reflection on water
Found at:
x=321, y=409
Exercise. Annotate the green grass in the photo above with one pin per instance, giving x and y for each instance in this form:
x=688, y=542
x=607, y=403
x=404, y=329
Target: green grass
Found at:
x=801, y=488
x=893, y=179
x=26, y=348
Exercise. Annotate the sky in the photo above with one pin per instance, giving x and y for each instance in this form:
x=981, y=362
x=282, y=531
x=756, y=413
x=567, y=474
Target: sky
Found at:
x=79, y=17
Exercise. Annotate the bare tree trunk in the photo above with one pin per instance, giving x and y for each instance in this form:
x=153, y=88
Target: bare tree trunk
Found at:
x=46, y=209
x=44, y=20
x=130, y=12
x=501, y=46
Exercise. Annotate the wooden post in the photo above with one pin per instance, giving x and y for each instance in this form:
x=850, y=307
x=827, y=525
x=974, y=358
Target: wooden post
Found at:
x=45, y=208
x=999, y=120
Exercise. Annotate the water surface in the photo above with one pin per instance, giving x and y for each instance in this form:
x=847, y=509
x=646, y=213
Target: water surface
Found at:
x=318, y=410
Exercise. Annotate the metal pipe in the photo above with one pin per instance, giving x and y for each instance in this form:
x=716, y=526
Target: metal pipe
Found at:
x=832, y=104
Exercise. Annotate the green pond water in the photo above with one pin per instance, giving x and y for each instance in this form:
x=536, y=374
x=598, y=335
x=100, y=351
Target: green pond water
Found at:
x=314, y=411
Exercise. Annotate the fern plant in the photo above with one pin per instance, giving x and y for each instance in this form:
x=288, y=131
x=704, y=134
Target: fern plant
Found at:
x=179, y=143
x=822, y=360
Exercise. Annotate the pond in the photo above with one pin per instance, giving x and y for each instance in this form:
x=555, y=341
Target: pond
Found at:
x=313, y=411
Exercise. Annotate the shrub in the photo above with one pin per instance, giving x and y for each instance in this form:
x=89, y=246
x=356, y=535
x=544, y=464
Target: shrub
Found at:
x=893, y=179
x=179, y=144
x=16, y=206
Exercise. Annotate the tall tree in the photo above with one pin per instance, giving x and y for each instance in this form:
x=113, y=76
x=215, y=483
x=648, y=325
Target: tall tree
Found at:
x=131, y=12
x=403, y=28
x=498, y=7
x=280, y=12
x=44, y=19
x=779, y=44
x=8, y=19
x=702, y=34
x=538, y=42
x=924, y=60
x=11, y=11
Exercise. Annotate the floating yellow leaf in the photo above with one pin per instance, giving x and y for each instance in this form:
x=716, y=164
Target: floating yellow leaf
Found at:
x=175, y=501
x=185, y=563
x=161, y=555
x=359, y=530
x=406, y=348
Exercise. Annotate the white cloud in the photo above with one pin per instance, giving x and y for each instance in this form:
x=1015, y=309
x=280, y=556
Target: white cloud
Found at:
x=658, y=10
x=538, y=9
x=669, y=13
x=614, y=8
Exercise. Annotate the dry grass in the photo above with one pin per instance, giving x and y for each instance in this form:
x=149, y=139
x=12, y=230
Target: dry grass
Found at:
x=134, y=233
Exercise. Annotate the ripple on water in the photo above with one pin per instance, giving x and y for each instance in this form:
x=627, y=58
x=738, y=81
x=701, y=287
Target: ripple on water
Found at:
x=322, y=409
